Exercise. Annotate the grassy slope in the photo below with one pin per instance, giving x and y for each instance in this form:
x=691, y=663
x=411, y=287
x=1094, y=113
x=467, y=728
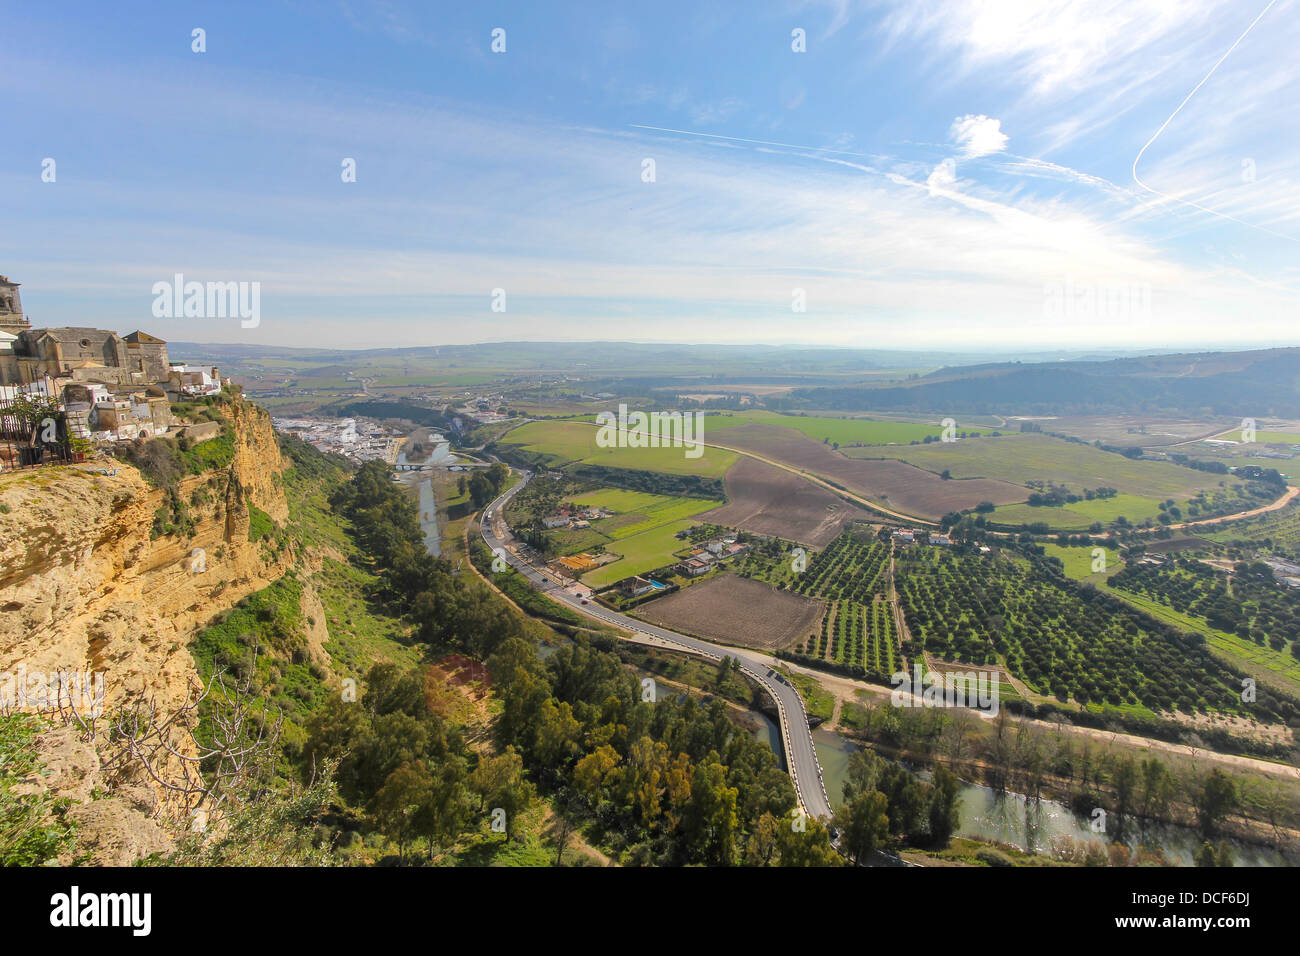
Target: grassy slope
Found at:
x=361, y=632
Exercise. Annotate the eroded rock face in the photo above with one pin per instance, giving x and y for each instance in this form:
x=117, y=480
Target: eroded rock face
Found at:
x=85, y=588
x=115, y=826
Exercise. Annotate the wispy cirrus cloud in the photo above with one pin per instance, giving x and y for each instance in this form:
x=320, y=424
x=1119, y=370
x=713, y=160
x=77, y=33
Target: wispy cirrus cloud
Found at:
x=872, y=172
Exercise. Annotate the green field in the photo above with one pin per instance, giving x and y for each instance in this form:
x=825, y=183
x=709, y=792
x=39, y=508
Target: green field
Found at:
x=845, y=431
x=568, y=442
x=653, y=510
x=641, y=552
x=642, y=530
x=1288, y=438
x=1022, y=458
x=1078, y=562
x=1080, y=515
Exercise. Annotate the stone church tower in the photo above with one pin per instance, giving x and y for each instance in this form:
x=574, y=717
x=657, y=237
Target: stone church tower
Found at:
x=11, y=308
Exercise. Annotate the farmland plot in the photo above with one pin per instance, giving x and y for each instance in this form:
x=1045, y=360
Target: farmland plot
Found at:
x=857, y=630
x=766, y=500
x=1065, y=640
x=1022, y=458
x=736, y=610
x=1249, y=605
x=561, y=443
x=894, y=484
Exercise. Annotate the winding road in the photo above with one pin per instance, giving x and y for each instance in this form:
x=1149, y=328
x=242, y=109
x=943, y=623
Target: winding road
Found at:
x=796, y=738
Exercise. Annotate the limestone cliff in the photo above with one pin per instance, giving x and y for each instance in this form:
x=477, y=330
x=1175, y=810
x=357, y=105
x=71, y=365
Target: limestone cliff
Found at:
x=85, y=585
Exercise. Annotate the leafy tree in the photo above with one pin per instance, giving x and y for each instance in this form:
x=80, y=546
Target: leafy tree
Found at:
x=445, y=810
x=1157, y=788
x=500, y=784
x=944, y=797
x=863, y=824
x=711, y=816
x=592, y=771
x=399, y=799
x=809, y=847
x=1211, y=855
x=1218, y=797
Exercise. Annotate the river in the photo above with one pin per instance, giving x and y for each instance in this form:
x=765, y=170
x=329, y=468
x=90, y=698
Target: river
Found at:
x=428, y=503
x=1034, y=825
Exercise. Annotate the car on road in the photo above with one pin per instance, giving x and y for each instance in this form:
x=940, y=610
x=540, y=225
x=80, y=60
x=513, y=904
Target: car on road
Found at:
x=585, y=601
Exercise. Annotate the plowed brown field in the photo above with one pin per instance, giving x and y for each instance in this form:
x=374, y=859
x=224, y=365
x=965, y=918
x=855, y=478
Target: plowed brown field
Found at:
x=895, y=484
x=766, y=500
x=736, y=610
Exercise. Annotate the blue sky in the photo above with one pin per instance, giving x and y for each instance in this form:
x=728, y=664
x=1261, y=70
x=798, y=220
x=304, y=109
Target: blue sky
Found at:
x=940, y=174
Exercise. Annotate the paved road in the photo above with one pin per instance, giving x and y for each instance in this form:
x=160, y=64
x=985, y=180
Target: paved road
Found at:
x=800, y=754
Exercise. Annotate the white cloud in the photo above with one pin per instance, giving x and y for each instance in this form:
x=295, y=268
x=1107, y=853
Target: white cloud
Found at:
x=977, y=135
x=942, y=177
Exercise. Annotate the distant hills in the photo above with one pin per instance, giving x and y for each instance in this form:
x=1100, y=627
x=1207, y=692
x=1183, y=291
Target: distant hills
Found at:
x=1256, y=383
x=1260, y=383
x=688, y=361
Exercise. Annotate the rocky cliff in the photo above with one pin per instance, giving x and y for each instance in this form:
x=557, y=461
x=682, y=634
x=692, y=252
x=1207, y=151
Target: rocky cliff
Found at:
x=85, y=585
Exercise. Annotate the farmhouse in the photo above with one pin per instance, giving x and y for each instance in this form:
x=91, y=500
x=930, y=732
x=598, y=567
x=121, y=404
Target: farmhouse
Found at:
x=635, y=586
x=940, y=539
x=580, y=523
x=577, y=563
x=905, y=534
x=693, y=567
x=555, y=521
